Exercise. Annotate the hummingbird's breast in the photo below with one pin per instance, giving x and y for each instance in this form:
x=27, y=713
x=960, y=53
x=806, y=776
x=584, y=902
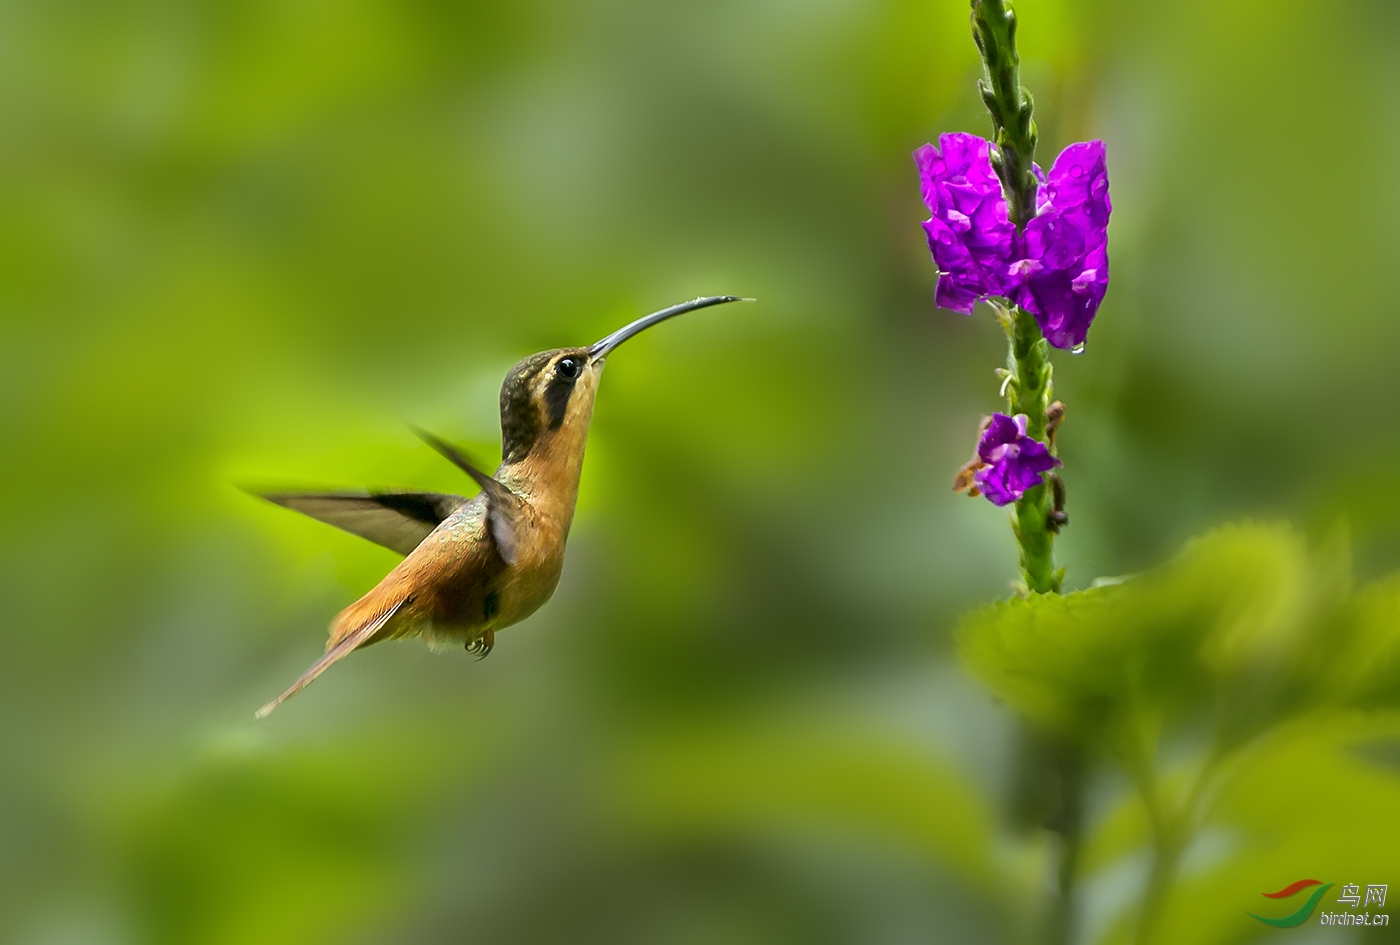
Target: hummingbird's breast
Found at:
x=458, y=586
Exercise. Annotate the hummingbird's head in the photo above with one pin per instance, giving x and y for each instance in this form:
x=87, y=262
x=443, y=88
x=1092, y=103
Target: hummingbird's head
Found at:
x=545, y=394
x=547, y=399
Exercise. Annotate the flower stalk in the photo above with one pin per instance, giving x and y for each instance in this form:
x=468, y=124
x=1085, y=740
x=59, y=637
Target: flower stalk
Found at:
x=1013, y=159
x=1029, y=392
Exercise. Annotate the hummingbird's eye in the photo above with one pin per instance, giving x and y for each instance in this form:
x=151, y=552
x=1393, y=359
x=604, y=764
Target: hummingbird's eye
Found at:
x=569, y=368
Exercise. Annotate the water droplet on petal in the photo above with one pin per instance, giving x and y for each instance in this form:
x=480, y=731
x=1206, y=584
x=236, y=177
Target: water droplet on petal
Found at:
x=1077, y=349
x=1077, y=171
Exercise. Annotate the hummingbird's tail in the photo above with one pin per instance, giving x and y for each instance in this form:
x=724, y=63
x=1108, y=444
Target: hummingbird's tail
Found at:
x=352, y=640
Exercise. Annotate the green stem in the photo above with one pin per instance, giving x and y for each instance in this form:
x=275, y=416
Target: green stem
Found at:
x=1165, y=860
x=1166, y=847
x=994, y=29
x=1049, y=793
x=1070, y=827
x=1028, y=392
x=1172, y=832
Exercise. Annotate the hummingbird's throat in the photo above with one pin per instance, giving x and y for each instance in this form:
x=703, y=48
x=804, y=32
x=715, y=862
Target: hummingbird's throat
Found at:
x=548, y=475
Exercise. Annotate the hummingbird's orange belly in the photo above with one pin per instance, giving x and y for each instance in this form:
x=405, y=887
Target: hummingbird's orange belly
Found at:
x=463, y=590
x=523, y=591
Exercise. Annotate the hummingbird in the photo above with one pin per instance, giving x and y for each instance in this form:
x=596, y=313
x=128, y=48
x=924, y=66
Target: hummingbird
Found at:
x=475, y=565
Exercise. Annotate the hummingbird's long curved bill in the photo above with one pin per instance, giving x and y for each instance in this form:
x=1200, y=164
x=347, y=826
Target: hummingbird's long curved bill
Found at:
x=601, y=349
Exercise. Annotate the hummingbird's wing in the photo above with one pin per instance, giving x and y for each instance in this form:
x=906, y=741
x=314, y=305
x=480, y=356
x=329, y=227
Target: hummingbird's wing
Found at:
x=346, y=644
x=397, y=520
x=505, y=509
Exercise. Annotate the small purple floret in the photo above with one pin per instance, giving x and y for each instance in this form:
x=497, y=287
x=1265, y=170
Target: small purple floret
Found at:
x=1068, y=238
x=1057, y=269
x=969, y=232
x=1014, y=461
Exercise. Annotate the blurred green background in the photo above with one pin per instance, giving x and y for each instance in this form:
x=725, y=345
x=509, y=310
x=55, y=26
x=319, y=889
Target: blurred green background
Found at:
x=246, y=242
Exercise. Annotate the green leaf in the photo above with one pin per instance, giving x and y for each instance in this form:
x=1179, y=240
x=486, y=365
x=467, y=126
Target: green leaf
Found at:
x=1059, y=660
x=1360, y=658
x=1221, y=626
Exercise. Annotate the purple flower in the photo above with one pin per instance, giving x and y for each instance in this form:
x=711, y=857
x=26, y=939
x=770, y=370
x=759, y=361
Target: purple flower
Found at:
x=1057, y=269
x=969, y=233
x=1013, y=461
x=1062, y=264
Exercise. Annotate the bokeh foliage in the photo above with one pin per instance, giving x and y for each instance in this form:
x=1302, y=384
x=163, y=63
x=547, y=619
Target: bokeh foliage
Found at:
x=243, y=242
x=1182, y=677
